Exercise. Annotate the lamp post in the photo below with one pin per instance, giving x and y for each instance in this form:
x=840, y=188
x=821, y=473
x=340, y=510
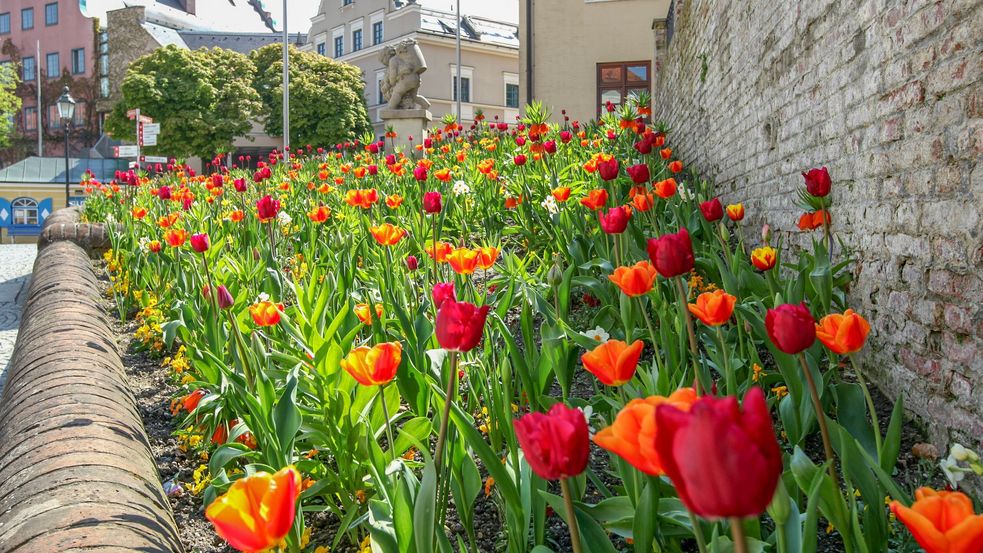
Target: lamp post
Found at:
x=66, y=111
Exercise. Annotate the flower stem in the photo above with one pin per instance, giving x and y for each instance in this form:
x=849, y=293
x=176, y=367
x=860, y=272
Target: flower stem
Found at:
x=448, y=399
x=648, y=324
x=737, y=532
x=701, y=388
x=571, y=516
x=389, y=428
x=870, y=405
x=820, y=415
x=701, y=543
x=728, y=370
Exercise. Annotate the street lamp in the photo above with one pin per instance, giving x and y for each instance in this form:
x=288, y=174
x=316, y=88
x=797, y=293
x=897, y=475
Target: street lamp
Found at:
x=66, y=111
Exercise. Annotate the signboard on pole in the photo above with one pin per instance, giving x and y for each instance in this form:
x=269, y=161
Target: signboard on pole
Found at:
x=125, y=151
x=153, y=159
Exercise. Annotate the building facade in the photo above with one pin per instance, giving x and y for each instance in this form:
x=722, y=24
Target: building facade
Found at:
x=578, y=55
x=355, y=31
x=52, y=44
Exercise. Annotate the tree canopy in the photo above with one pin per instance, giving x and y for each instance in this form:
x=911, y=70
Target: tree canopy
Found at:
x=327, y=102
x=202, y=99
x=9, y=102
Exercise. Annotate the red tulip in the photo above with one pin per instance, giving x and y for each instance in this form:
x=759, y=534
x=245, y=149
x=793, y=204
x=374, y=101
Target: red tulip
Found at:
x=519, y=160
x=460, y=324
x=608, y=168
x=549, y=146
x=431, y=202
x=723, y=459
x=791, y=327
x=556, y=444
x=818, y=182
x=239, y=184
x=712, y=210
x=412, y=262
x=225, y=299
x=615, y=221
x=443, y=291
x=639, y=173
x=420, y=173
x=267, y=208
x=199, y=242
x=672, y=254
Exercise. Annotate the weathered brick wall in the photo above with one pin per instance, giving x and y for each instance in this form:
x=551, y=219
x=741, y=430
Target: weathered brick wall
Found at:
x=888, y=94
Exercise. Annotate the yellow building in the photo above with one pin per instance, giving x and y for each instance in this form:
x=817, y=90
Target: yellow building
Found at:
x=579, y=54
x=31, y=189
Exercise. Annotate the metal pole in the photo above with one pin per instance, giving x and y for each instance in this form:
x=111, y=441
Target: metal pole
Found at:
x=68, y=124
x=37, y=81
x=286, y=82
x=460, y=78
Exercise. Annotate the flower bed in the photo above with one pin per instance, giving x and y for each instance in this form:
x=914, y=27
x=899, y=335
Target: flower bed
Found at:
x=390, y=340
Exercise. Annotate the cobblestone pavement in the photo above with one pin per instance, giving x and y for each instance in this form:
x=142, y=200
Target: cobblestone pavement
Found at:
x=16, y=262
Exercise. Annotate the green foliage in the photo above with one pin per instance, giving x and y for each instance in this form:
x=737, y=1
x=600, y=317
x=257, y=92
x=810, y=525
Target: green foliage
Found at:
x=201, y=98
x=327, y=102
x=9, y=102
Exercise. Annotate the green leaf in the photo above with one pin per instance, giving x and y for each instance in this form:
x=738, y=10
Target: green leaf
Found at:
x=892, y=440
x=287, y=417
x=424, y=509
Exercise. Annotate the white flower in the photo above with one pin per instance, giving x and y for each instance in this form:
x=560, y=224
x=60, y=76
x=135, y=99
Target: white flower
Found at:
x=460, y=187
x=953, y=472
x=263, y=296
x=145, y=243
x=598, y=334
x=683, y=193
x=549, y=204
x=284, y=218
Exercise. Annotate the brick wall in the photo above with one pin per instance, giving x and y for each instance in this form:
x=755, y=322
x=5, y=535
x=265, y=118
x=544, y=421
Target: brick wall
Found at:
x=888, y=94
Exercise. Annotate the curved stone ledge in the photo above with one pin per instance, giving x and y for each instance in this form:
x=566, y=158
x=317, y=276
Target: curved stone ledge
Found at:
x=64, y=224
x=76, y=471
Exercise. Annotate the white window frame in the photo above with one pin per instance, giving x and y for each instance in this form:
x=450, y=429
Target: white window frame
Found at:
x=466, y=73
x=22, y=207
x=380, y=74
x=377, y=17
x=507, y=79
x=335, y=33
x=356, y=25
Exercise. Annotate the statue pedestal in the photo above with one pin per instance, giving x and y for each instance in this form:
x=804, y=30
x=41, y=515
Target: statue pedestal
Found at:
x=406, y=123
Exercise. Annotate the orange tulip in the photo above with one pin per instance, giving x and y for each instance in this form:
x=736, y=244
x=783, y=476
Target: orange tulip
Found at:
x=168, y=220
x=636, y=280
x=487, y=255
x=764, y=258
x=665, y=188
x=942, y=522
x=373, y=366
x=713, y=308
x=237, y=216
x=443, y=175
x=139, y=212
x=643, y=201
x=393, y=201
x=258, y=511
x=632, y=434
x=439, y=253
x=266, y=313
x=364, y=315
x=814, y=220
x=843, y=334
x=561, y=193
x=666, y=153
x=735, y=212
x=387, y=234
x=676, y=166
x=595, y=199
x=175, y=237
x=319, y=214
x=613, y=362
x=463, y=260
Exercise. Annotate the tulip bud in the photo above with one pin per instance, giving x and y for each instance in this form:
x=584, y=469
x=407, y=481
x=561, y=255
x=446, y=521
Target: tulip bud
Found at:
x=555, y=275
x=225, y=299
x=412, y=263
x=766, y=233
x=199, y=242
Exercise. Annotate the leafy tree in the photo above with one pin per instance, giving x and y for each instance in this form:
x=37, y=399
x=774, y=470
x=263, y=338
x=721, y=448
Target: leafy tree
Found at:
x=202, y=99
x=9, y=101
x=327, y=100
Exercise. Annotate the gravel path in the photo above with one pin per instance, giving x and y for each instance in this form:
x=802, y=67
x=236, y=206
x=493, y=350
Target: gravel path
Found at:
x=16, y=262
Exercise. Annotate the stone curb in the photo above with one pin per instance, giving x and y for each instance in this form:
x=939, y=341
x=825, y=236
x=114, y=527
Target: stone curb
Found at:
x=64, y=224
x=76, y=470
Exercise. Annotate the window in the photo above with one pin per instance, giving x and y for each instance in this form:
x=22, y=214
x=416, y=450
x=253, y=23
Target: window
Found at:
x=356, y=40
x=27, y=19
x=339, y=46
x=30, y=118
x=465, y=89
x=29, y=68
x=54, y=120
x=25, y=211
x=321, y=49
x=104, y=87
x=54, y=65
x=347, y=2
x=617, y=81
x=51, y=13
x=377, y=32
x=511, y=95
x=4, y=23
x=378, y=87
x=78, y=61
x=78, y=118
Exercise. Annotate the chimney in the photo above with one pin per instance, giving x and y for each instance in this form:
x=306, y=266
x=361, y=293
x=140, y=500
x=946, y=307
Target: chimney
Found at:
x=189, y=6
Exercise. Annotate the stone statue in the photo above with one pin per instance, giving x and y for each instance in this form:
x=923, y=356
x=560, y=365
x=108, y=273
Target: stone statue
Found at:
x=404, y=63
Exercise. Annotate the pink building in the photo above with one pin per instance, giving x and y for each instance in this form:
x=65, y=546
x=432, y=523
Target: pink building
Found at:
x=69, y=56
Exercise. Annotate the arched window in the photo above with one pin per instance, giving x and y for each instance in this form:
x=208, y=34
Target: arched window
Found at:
x=25, y=211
